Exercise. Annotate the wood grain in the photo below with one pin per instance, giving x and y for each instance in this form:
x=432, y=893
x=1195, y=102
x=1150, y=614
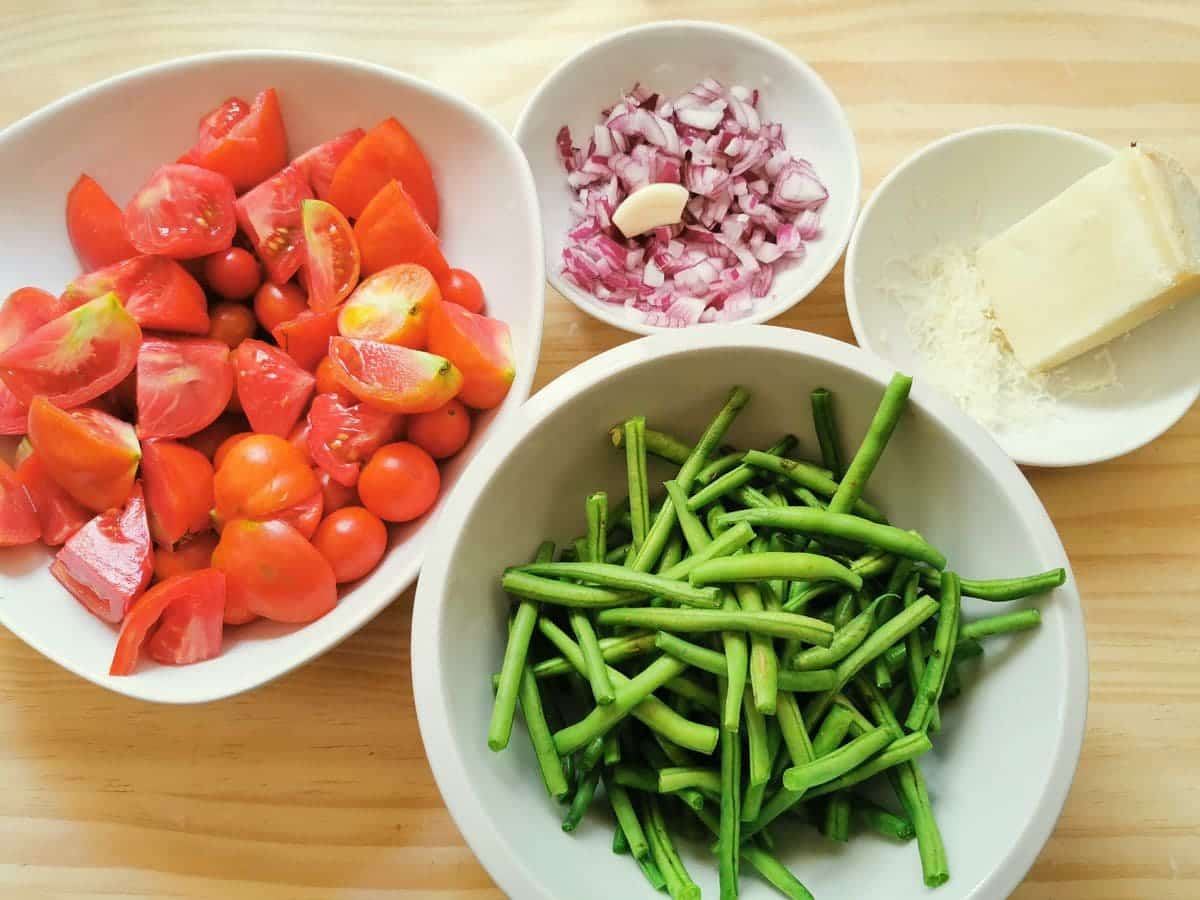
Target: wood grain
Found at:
x=316, y=786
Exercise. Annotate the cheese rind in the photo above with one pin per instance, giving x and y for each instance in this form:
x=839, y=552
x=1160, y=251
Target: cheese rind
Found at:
x=1108, y=254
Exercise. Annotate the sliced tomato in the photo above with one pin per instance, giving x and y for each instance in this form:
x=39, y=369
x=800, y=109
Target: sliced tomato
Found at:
x=245, y=143
x=387, y=152
x=480, y=346
x=107, y=563
x=60, y=514
x=306, y=337
x=270, y=216
x=91, y=455
x=25, y=310
x=319, y=163
x=190, y=629
x=271, y=570
x=157, y=291
x=304, y=516
x=182, y=211
x=96, y=225
x=178, y=482
x=331, y=261
x=261, y=475
x=393, y=378
x=392, y=306
x=178, y=600
x=182, y=385
x=274, y=390
x=342, y=437
x=192, y=553
x=13, y=413
x=391, y=230
x=19, y=522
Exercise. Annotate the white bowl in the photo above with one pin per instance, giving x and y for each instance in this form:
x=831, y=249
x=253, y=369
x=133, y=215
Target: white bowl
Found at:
x=971, y=186
x=103, y=130
x=1003, y=763
x=671, y=57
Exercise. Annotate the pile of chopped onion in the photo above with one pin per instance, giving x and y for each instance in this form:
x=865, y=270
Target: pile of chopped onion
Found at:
x=752, y=205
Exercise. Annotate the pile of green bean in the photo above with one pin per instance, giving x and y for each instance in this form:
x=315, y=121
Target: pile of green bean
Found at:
x=756, y=643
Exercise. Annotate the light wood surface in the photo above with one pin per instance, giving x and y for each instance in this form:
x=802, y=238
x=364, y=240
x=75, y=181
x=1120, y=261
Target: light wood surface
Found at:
x=317, y=786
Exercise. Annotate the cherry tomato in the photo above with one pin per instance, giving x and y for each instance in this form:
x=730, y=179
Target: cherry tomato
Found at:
x=182, y=211
x=182, y=386
x=178, y=482
x=343, y=436
x=231, y=323
x=60, y=514
x=305, y=516
x=270, y=216
x=385, y=153
x=299, y=437
x=306, y=337
x=228, y=444
x=319, y=163
x=233, y=273
x=192, y=553
x=326, y=382
x=392, y=306
x=272, y=571
x=245, y=142
x=91, y=455
x=19, y=522
x=443, y=432
x=334, y=494
x=158, y=292
x=400, y=483
x=275, y=304
x=260, y=476
x=480, y=347
x=96, y=226
x=461, y=287
x=391, y=230
x=273, y=390
x=354, y=540
x=331, y=261
x=204, y=586
x=393, y=378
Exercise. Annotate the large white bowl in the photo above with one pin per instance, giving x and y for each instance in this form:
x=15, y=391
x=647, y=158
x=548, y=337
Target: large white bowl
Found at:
x=1001, y=766
x=119, y=131
x=671, y=57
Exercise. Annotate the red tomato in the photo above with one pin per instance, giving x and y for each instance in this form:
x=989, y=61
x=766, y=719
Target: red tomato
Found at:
x=24, y=310
x=60, y=514
x=244, y=144
x=275, y=304
x=400, y=483
x=19, y=522
x=228, y=444
x=354, y=540
x=231, y=323
x=387, y=152
x=182, y=211
x=304, y=516
x=334, y=495
x=233, y=273
x=299, y=437
x=76, y=357
x=260, y=476
x=443, y=432
x=319, y=163
x=393, y=378
x=326, y=382
x=179, y=490
x=211, y=438
x=157, y=291
x=190, y=628
x=91, y=455
x=392, y=306
x=274, y=390
x=270, y=216
x=272, y=571
x=192, y=553
x=461, y=287
x=191, y=593
x=331, y=260
x=391, y=231
x=96, y=226
x=480, y=347
x=107, y=563
x=13, y=413
x=342, y=437
x=306, y=337
x=182, y=386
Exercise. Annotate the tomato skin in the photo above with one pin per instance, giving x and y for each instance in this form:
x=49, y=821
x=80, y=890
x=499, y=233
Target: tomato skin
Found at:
x=393, y=378
x=354, y=540
x=341, y=437
x=334, y=495
x=272, y=571
x=231, y=323
x=319, y=163
x=461, y=287
x=178, y=482
x=228, y=444
x=107, y=563
x=260, y=476
x=96, y=225
x=245, y=143
x=306, y=337
x=192, y=553
x=163, y=215
x=91, y=455
x=391, y=230
x=387, y=152
x=331, y=259
x=233, y=273
x=304, y=516
x=399, y=483
x=157, y=291
x=274, y=391
x=392, y=306
x=19, y=522
x=443, y=432
x=275, y=304
x=270, y=217
x=204, y=588
x=480, y=347
x=59, y=514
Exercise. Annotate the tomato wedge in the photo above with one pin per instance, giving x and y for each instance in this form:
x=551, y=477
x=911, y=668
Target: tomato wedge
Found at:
x=199, y=590
x=182, y=211
x=76, y=357
x=480, y=346
x=178, y=482
x=190, y=629
x=319, y=163
x=60, y=514
x=107, y=563
x=306, y=337
x=91, y=455
x=270, y=216
x=182, y=385
x=331, y=260
x=391, y=230
x=392, y=306
x=393, y=378
x=304, y=516
x=261, y=475
x=156, y=290
x=96, y=225
x=274, y=390
x=244, y=142
x=271, y=570
x=23, y=311
x=192, y=553
x=387, y=152
x=342, y=437
x=19, y=523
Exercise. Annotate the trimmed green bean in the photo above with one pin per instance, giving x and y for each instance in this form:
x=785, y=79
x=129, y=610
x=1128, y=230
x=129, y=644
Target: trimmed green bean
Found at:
x=679, y=883
x=775, y=872
x=658, y=443
x=941, y=655
x=717, y=664
x=1001, y=624
x=891, y=407
x=845, y=641
x=627, y=818
x=827, y=430
x=767, y=565
x=640, y=778
x=815, y=479
x=728, y=541
x=899, y=751
x=560, y=593
x=764, y=667
x=873, y=817
x=621, y=578
x=676, y=778
x=728, y=831
x=782, y=625
x=737, y=666
x=1004, y=589
x=582, y=800
x=758, y=760
x=719, y=466
x=915, y=646
x=693, y=529
x=540, y=736
x=639, y=489
x=614, y=650
x=837, y=818
x=685, y=687
x=652, y=874
x=792, y=729
x=620, y=846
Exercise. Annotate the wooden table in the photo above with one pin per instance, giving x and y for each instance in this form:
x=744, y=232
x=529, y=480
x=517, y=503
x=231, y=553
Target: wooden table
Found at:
x=317, y=786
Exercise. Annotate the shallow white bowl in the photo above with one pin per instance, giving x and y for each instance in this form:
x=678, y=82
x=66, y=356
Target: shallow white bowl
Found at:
x=103, y=130
x=671, y=57
x=971, y=186
x=1003, y=763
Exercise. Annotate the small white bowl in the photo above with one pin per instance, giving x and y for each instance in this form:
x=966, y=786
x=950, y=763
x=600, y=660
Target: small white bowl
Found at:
x=322, y=96
x=971, y=186
x=1008, y=747
x=670, y=58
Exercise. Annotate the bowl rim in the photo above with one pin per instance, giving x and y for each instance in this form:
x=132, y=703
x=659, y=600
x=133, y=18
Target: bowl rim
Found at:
x=503, y=861
x=518, y=392
x=816, y=274
x=850, y=274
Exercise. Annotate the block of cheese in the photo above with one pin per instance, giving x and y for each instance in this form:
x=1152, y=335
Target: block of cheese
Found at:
x=1109, y=253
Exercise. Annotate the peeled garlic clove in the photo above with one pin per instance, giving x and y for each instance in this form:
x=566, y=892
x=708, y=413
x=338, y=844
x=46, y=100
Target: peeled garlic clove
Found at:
x=650, y=207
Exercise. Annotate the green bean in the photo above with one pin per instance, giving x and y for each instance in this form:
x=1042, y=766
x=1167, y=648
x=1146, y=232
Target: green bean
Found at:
x=582, y=800
x=593, y=551
x=915, y=644
x=549, y=763
x=832, y=732
x=967, y=648
x=672, y=556
x=737, y=666
x=614, y=649
x=618, y=553
x=891, y=407
x=941, y=655
x=610, y=576
x=1002, y=624
x=874, y=817
x=827, y=431
x=627, y=818
x=712, y=518
x=775, y=872
x=844, y=609
x=675, y=755
x=640, y=778
x=837, y=818
x=658, y=443
x=620, y=845
x=652, y=873
x=1004, y=589
x=807, y=497
x=792, y=728
x=693, y=529
x=899, y=751
x=696, y=693
x=728, y=837
x=728, y=541
x=889, y=604
x=679, y=883
x=719, y=466
x=764, y=667
x=560, y=593
x=676, y=778
x=815, y=479
x=591, y=756
x=765, y=566
x=845, y=641
x=782, y=625
x=870, y=565
x=717, y=663
x=635, y=469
